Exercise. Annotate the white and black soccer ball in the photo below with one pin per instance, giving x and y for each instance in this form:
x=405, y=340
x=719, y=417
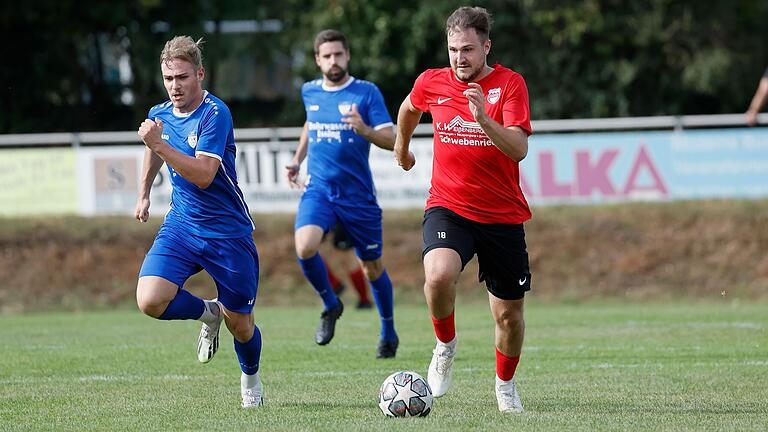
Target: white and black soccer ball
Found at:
x=405, y=394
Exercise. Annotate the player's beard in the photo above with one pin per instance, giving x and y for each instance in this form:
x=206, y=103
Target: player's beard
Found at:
x=468, y=77
x=336, y=74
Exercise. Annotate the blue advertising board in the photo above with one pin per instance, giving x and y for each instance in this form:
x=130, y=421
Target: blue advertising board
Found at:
x=658, y=166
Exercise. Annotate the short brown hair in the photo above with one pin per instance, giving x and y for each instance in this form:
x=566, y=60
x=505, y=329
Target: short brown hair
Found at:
x=184, y=48
x=330, y=35
x=467, y=17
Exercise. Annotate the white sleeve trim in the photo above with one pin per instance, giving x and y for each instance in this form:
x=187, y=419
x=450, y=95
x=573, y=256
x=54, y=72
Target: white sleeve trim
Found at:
x=383, y=125
x=213, y=155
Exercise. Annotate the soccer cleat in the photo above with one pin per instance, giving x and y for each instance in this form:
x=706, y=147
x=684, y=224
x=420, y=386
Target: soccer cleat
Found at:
x=253, y=396
x=387, y=349
x=327, y=326
x=439, y=373
x=208, y=341
x=508, y=397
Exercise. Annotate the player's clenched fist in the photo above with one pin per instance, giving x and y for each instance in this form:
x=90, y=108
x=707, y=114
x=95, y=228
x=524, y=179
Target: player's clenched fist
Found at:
x=406, y=159
x=151, y=132
x=476, y=100
x=142, y=210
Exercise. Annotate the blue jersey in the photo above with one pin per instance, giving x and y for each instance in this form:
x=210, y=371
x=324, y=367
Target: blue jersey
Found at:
x=219, y=211
x=338, y=157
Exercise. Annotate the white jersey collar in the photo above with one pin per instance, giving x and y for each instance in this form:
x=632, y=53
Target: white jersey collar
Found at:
x=341, y=87
x=182, y=115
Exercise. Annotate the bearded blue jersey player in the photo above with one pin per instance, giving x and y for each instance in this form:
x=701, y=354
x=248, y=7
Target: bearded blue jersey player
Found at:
x=208, y=226
x=344, y=116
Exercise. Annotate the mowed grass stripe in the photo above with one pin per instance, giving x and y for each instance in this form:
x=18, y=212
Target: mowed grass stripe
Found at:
x=584, y=367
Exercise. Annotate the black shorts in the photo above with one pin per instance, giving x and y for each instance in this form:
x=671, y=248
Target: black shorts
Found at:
x=500, y=248
x=341, y=239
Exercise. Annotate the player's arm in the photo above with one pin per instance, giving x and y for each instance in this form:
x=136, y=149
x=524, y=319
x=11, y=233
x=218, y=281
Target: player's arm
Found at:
x=292, y=169
x=199, y=170
x=150, y=168
x=758, y=100
x=512, y=141
x=383, y=137
x=408, y=118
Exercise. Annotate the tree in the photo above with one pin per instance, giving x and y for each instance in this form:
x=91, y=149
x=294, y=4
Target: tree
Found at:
x=580, y=58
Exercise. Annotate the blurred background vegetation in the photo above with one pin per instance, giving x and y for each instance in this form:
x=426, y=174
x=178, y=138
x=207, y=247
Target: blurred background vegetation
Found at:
x=93, y=65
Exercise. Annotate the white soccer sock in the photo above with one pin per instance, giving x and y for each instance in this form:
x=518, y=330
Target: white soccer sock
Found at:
x=500, y=383
x=248, y=381
x=211, y=312
x=451, y=345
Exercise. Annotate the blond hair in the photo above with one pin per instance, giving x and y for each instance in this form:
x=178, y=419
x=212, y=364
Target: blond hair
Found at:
x=184, y=48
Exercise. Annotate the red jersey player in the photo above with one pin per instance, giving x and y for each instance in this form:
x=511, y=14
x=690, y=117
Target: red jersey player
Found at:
x=481, y=123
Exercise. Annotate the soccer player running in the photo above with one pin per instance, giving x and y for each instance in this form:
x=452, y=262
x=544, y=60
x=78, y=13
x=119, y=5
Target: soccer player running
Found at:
x=208, y=226
x=344, y=116
x=481, y=125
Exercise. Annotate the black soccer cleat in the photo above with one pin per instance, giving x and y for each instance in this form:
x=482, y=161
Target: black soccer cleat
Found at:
x=387, y=349
x=327, y=326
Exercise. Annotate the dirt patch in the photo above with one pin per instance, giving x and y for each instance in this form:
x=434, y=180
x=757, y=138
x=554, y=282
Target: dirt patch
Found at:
x=698, y=250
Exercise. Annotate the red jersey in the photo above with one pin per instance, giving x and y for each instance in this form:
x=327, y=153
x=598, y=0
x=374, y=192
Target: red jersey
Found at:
x=470, y=175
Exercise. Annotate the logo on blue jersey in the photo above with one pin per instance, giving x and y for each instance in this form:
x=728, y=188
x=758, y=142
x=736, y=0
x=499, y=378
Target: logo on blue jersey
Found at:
x=345, y=107
x=192, y=139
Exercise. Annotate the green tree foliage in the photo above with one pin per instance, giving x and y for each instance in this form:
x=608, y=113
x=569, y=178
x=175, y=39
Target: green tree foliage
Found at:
x=580, y=58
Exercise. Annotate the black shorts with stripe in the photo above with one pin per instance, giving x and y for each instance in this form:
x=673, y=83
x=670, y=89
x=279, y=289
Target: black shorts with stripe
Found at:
x=500, y=248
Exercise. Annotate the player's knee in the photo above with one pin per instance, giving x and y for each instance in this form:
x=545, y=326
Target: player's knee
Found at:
x=510, y=319
x=373, y=269
x=305, y=251
x=149, y=304
x=435, y=279
x=241, y=327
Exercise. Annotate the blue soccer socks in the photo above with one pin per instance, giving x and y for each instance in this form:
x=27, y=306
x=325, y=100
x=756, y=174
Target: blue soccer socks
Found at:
x=317, y=275
x=249, y=353
x=183, y=307
x=382, y=293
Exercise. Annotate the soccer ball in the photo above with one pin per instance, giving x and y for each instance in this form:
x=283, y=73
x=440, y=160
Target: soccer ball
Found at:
x=405, y=394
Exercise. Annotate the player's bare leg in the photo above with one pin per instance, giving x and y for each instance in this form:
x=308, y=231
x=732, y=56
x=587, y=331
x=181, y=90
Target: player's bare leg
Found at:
x=154, y=294
x=442, y=267
x=510, y=331
x=307, y=240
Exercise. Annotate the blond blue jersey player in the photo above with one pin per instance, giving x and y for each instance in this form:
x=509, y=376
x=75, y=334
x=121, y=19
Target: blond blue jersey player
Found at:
x=208, y=226
x=344, y=117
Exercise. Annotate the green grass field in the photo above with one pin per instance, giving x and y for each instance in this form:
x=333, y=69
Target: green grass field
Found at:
x=584, y=367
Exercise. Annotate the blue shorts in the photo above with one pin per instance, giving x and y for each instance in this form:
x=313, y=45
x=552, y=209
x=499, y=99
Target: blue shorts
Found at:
x=361, y=220
x=232, y=263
